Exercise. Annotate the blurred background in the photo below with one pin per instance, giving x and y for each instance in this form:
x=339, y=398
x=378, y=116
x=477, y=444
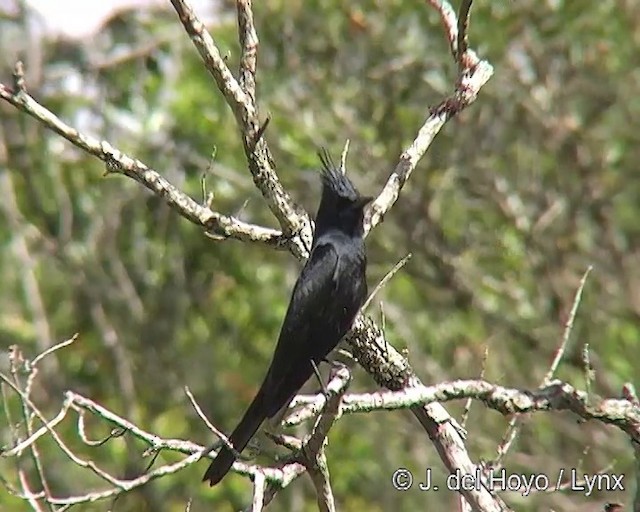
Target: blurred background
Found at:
x=517, y=196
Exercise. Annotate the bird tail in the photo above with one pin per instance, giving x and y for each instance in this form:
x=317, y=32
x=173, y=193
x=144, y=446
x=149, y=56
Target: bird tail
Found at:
x=248, y=426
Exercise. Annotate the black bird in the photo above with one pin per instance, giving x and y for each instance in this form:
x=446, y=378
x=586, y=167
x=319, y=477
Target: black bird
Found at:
x=326, y=298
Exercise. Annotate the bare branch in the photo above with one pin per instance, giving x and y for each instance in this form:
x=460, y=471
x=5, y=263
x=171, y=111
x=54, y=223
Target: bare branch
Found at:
x=58, y=440
x=331, y=411
x=54, y=348
x=589, y=373
x=28, y=495
x=391, y=370
x=343, y=157
x=449, y=22
x=18, y=77
x=636, y=499
x=513, y=427
x=245, y=111
x=385, y=280
x=80, y=402
x=220, y=435
x=470, y=82
x=567, y=329
x=320, y=477
x=122, y=486
x=17, y=450
x=257, y=503
x=118, y=162
x=312, y=453
x=473, y=74
x=237, y=99
x=387, y=366
x=17, y=366
x=201, y=413
x=556, y=396
x=249, y=45
x=283, y=476
x=463, y=32
x=467, y=406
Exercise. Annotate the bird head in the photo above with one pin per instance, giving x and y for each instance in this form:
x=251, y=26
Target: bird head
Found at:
x=342, y=206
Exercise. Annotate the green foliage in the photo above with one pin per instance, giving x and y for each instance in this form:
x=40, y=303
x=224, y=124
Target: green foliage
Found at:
x=516, y=197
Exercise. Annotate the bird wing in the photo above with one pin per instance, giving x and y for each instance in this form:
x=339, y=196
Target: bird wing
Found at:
x=307, y=321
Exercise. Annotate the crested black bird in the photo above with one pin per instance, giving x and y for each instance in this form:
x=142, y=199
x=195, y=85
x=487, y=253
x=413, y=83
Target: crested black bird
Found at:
x=329, y=292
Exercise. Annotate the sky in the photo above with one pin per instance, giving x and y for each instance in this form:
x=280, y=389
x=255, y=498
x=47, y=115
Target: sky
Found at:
x=80, y=18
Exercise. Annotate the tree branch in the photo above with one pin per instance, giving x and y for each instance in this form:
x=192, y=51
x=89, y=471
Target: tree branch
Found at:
x=249, y=47
x=118, y=162
x=385, y=364
x=244, y=108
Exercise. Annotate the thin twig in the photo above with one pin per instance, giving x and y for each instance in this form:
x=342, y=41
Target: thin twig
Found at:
x=17, y=363
x=513, y=427
x=589, y=373
x=312, y=453
x=463, y=32
x=52, y=349
x=200, y=412
x=82, y=432
x=467, y=405
x=567, y=329
x=213, y=60
x=449, y=22
x=277, y=198
x=385, y=280
x=291, y=220
x=17, y=450
x=119, y=162
x=343, y=157
x=211, y=427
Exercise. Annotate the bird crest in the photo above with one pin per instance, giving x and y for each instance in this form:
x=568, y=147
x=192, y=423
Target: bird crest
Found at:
x=335, y=179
